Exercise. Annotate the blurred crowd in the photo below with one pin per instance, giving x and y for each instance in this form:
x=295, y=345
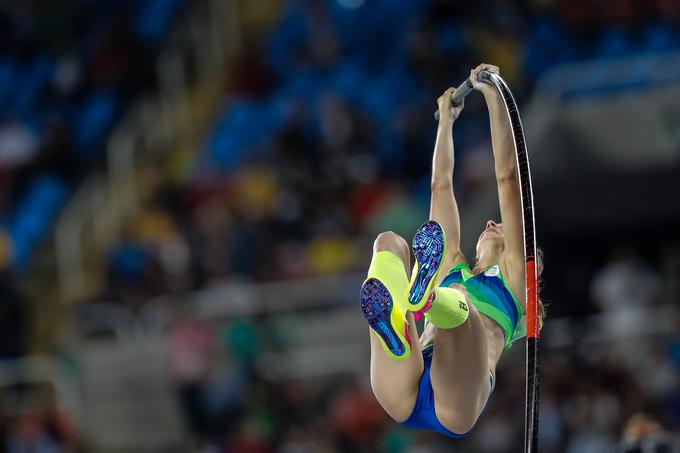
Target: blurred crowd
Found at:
x=68, y=69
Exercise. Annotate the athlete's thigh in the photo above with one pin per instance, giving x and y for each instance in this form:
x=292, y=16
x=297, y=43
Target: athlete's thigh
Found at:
x=395, y=383
x=460, y=373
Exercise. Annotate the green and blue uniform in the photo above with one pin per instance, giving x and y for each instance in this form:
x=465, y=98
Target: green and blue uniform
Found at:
x=489, y=292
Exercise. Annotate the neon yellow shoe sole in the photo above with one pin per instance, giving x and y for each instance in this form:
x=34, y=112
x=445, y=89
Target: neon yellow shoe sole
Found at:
x=386, y=319
x=429, y=249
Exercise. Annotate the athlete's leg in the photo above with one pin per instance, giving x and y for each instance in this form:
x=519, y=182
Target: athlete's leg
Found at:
x=461, y=369
x=395, y=383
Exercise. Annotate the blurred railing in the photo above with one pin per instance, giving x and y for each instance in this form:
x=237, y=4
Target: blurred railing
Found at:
x=320, y=330
x=128, y=395
x=20, y=375
x=194, y=57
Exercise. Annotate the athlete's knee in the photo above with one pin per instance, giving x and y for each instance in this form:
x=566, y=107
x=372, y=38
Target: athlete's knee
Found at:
x=457, y=420
x=391, y=241
x=398, y=403
x=441, y=183
x=460, y=414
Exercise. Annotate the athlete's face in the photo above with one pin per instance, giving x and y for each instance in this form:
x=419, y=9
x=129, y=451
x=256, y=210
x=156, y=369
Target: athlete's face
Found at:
x=491, y=238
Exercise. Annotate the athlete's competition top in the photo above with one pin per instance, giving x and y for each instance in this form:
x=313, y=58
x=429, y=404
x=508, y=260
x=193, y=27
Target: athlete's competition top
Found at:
x=490, y=293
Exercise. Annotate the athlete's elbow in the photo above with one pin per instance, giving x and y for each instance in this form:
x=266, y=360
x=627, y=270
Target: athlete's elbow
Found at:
x=508, y=175
x=440, y=183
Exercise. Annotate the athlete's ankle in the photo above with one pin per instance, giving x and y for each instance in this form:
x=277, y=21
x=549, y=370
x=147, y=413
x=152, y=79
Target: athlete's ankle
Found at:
x=448, y=308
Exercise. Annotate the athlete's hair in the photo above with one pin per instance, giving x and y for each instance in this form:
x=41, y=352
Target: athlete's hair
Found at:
x=542, y=312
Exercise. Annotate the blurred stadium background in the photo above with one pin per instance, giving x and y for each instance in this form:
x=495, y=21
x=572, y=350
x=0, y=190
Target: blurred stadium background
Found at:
x=190, y=189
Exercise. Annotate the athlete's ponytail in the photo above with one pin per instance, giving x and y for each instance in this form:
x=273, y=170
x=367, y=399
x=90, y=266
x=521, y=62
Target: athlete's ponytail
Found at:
x=542, y=312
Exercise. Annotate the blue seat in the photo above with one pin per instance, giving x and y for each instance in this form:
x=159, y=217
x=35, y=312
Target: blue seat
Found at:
x=93, y=120
x=154, y=18
x=33, y=216
x=235, y=133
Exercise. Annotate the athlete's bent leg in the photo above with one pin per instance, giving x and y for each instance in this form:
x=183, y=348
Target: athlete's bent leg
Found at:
x=395, y=382
x=460, y=373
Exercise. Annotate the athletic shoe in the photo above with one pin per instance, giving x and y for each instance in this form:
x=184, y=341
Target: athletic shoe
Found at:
x=385, y=318
x=429, y=248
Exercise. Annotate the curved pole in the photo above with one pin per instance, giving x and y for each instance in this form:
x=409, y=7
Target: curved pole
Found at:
x=532, y=382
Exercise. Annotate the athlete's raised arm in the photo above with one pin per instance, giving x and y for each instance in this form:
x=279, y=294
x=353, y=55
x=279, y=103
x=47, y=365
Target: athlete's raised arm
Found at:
x=443, y=207
x=509, y=196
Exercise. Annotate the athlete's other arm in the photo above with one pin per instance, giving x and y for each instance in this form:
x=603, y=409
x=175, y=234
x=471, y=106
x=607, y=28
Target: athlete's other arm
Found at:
x=443, y=206
x=509, y=196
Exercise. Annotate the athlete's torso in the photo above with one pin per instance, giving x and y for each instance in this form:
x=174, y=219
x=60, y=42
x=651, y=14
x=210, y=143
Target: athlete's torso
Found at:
x=490, y=293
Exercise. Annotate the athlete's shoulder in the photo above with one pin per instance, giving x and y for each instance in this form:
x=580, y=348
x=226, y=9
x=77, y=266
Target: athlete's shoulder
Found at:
x=512, y=271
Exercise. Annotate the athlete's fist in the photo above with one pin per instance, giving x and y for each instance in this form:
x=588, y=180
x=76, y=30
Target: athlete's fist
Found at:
x=483, y=87
x=448, y=111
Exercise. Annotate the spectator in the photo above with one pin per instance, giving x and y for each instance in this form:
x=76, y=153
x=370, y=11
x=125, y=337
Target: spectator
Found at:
x=18, y=144
x=643, y=433
x=624, y=289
